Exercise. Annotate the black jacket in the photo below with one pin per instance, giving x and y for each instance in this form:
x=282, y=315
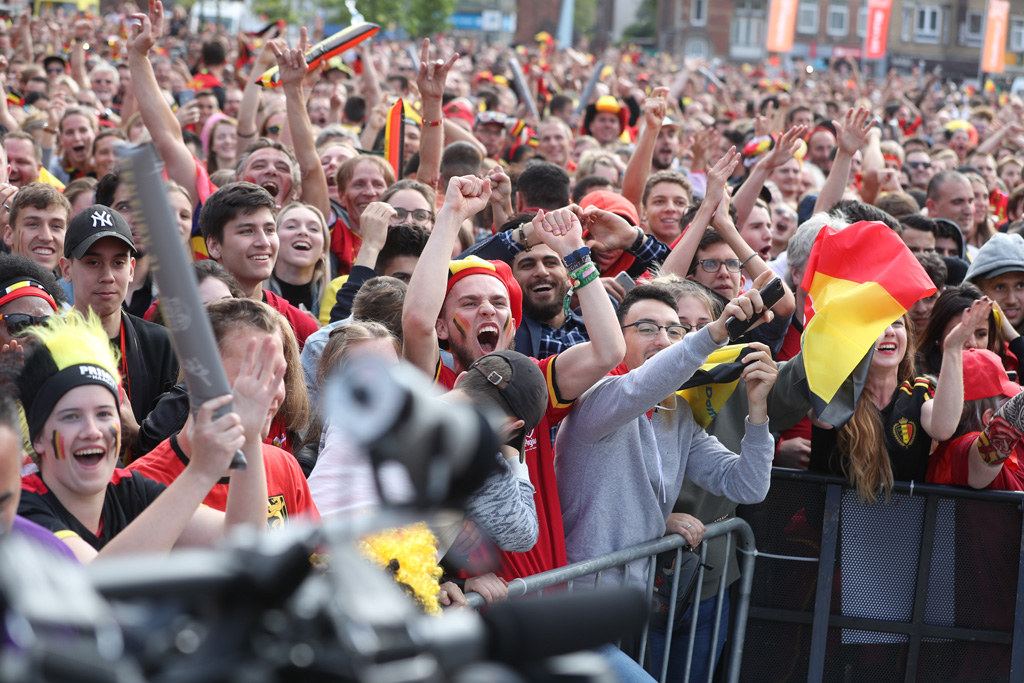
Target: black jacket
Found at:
x=151, y=364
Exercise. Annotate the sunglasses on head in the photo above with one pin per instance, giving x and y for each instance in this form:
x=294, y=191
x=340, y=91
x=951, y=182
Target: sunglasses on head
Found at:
x=18, y=323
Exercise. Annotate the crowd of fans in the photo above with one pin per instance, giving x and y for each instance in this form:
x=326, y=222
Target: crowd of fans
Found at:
x=570, y=272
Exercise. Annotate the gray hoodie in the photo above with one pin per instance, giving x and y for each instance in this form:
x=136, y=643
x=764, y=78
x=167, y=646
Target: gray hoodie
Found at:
x=619, y=471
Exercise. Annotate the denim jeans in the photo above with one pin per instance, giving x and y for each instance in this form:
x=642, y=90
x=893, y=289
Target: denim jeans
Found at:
x=703, y=659
x=622, y=665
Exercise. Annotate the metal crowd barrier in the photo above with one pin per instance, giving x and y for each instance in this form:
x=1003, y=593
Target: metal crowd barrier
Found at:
x=928, y=586
x=736, y=530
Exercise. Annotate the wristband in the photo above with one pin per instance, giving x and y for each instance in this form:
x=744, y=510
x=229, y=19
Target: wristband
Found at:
x=522, y=238
x=640, y=237
x=744, y=264
x=432, y=124
x=578, y=280
x=576, y=258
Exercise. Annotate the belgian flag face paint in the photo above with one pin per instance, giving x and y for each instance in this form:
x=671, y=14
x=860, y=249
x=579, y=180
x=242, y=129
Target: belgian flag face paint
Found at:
x=58, y=446
x=461, y=324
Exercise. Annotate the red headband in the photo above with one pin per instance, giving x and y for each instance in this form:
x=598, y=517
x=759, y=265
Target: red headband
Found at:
x=20, y=288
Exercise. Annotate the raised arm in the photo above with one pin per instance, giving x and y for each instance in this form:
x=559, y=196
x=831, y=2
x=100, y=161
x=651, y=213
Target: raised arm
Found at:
x=785, y=147
x=248, y=110
x=941, y=415
x=372, y=92
x=851, y=135
x=83, y=31
x=753, y=263
x=465, y=197
x=156, y=114
x=681, y=256
x=639, y=166
x=292, y=66
x=579, y=367
x=430, y=81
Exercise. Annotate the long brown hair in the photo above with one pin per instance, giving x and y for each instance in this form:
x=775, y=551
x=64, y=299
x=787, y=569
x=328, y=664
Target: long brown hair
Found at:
x=862, y=441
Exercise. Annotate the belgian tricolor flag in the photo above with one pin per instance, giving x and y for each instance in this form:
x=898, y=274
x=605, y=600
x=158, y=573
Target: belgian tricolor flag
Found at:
x=394, y=137
x=710, y=387
x=859, y=280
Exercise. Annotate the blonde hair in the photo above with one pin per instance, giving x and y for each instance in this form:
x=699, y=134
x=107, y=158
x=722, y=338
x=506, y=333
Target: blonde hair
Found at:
x=322, y=271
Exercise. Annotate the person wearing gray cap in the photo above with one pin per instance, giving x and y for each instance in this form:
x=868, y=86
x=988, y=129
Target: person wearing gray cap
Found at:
x=998, y=271
x=509, y=386
x=99, y=262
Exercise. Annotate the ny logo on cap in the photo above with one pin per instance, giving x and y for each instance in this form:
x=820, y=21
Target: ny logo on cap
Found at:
x=102, y=219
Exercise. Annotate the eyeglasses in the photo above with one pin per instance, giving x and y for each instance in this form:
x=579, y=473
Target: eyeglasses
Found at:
x=649, y=330
x=273, y=130
x=418, y=215
x=711, y=265
x=18, y=323
x=56, y=70
x=919, y=164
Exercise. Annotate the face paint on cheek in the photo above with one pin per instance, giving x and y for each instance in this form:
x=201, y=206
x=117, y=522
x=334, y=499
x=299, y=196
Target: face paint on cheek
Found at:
x=58, y=445
x=461, y=324
x=508, y=325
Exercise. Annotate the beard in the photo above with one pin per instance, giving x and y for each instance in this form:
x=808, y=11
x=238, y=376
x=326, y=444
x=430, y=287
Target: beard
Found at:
x=545, y=311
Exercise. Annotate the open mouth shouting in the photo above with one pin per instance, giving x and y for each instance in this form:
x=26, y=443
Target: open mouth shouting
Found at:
x=90, y=457
x=271, y=187
x=488, y=337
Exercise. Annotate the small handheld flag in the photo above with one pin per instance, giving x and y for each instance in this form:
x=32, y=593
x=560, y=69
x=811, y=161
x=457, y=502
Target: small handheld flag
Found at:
x=325, y=50
x=394, y=137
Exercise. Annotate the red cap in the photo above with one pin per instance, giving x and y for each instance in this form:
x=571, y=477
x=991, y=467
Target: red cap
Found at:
x=610, y=201
x=459, y=109
x=984, y=376
x=474, y=265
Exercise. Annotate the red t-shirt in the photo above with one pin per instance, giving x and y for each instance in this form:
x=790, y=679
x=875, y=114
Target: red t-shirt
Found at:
x=287, y=492
x=949, y=465
x=302, y=323
x=549, y=552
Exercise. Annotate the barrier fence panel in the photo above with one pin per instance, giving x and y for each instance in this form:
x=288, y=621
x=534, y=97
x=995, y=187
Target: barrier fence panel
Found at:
x=736, y=530
x=924, y=587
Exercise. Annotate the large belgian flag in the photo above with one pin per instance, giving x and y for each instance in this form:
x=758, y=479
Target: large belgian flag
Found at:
x=859, y=280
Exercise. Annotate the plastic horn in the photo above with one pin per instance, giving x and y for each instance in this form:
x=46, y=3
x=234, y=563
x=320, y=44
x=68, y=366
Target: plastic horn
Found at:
x=589, y=89
x=522, y=87
x=180, y=304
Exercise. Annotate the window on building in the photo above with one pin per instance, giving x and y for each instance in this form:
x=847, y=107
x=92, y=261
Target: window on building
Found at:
x=697, y=48
x=862, y=21
x=807, y=18
x=928, y=24
x=699, y=12
x=907, y=25
x=747, y=35
x=838, y=20
x=1017, y=34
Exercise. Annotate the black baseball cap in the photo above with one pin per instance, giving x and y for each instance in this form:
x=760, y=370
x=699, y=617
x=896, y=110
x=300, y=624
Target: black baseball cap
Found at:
x=521, y=385
x=94, y=224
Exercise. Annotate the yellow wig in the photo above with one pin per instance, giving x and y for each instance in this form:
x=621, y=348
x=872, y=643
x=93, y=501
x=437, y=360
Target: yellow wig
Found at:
x=63, y=344
x=410, y=553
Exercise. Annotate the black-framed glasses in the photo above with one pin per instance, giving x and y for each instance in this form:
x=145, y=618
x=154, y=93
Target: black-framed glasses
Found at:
x=417, y=215
x=711, y=265
x=919, y=164
x=648, y=330
x=18, y=323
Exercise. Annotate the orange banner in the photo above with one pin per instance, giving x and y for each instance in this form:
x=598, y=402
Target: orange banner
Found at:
x=781, y=25
x=993, y=54
x=877, y=39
